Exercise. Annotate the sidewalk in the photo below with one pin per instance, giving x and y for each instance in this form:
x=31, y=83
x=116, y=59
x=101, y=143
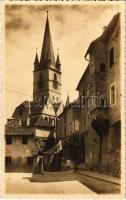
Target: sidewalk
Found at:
x=99, y=176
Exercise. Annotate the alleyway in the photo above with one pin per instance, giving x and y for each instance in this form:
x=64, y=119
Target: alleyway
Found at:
x=57, y=183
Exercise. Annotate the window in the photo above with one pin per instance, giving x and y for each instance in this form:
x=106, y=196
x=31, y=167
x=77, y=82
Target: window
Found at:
x=8, y=160
x=103, y=102
x=112, y=95
x=30, y=160
x=55, y=77
x=24, y=140
x=46, y=119
x=8, y=140
x=111, y=57
x=57, y=99
x=102, y=67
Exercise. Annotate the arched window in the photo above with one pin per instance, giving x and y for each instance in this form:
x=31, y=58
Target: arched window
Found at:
x=55, y=77
x=55, y=82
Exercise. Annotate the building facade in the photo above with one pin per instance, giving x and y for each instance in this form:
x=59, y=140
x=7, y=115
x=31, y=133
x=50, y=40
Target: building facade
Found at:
x=100, y=96
x=68, y=129
x=21, y=148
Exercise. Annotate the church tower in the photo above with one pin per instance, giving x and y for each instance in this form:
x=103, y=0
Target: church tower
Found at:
x=47, y=71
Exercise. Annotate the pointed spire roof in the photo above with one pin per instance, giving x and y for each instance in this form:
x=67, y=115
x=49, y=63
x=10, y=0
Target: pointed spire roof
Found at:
x=36, y=59
x=47, y=54
x=58, y=60
x=67, y=101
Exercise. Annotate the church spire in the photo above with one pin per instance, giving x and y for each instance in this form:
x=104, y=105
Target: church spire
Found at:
x=47, y=54
x=36, y=58
x=67, y=100
x=36, y=62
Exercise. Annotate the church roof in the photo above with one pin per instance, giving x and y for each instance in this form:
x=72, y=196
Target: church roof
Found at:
x=67, y=101
x=36, y=59
x=47, y=54
x=58, y=63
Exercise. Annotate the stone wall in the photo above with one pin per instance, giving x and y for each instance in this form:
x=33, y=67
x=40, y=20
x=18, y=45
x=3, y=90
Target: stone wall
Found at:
x=102, y=151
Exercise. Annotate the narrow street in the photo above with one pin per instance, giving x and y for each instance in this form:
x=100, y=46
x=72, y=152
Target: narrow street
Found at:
x=57, y=183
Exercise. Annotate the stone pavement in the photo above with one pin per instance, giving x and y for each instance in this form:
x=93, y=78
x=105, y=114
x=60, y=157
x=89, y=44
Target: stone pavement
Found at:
x=50, y=183
x=99, y=176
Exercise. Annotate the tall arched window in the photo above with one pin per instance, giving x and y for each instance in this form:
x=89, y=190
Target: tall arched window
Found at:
x=55, y=77
x=55, y=82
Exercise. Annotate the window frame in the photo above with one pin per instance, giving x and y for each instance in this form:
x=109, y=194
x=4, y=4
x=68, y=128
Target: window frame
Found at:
x=55, y=77
x=7, y=161
x=8, y=143
x=24, y=137
x=114, y=103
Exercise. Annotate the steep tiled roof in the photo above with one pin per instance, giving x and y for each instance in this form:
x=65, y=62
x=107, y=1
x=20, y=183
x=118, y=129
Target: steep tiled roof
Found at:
x=13, y=128
x=84, y=75
x=41, y=122
x=22, y=105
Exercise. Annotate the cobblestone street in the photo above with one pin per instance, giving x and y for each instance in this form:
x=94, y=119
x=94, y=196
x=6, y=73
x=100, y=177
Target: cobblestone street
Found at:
x=46, y=184
x=56, y=183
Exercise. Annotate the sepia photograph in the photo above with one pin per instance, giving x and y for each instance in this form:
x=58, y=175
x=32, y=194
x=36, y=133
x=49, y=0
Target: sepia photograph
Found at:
x=63, y=98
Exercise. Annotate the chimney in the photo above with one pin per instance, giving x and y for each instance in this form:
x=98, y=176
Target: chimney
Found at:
x=10, y=120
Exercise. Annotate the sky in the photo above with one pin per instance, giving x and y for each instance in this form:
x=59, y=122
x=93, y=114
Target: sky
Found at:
x=73, y=27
